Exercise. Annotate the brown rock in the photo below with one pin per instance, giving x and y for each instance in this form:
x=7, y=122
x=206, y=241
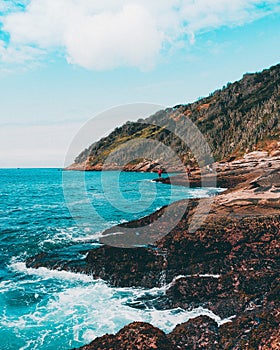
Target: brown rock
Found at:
x=239, y=241
x=136, y=335
x=255, y=330
x=199, y=333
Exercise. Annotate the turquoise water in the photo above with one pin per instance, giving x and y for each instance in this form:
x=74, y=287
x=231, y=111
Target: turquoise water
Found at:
x=43, y=309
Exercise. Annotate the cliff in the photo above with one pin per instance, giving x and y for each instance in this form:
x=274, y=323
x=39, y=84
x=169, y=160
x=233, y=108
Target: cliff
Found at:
x=242, y=117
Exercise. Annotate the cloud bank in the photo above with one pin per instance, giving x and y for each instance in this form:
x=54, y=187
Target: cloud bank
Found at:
x=106, y=34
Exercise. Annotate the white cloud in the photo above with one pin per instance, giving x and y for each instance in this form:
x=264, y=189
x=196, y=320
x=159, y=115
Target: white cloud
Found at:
x=128, y=37
x=105, y=34
x=18, y=54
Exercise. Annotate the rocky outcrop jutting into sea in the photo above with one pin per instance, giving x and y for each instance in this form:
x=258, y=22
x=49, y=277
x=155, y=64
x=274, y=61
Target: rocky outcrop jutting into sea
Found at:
x=230, y=266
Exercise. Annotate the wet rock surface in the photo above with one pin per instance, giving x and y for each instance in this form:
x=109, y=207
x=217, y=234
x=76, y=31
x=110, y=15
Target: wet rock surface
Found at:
x=252, y=330
x=137, y=335
x=200, y=333
x=230, y=265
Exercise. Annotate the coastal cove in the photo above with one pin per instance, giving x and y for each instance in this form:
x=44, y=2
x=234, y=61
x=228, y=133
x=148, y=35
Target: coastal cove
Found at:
x=43, y=307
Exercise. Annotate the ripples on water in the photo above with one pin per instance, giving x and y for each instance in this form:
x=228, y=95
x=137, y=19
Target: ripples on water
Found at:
x=43, y=309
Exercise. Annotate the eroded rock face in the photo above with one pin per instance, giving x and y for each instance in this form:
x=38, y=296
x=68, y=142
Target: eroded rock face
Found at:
x=137, y=335
x=254, y=165
x=267, y=181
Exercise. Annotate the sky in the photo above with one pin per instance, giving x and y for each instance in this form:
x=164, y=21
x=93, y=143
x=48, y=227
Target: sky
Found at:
x=63, y=62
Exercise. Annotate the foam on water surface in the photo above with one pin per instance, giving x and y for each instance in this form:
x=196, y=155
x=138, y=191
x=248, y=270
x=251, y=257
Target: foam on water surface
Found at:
x=82, y=309
x=49, y=310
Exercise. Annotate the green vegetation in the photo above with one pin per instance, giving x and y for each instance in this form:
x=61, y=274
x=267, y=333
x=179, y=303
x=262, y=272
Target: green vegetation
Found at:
x=234, y=120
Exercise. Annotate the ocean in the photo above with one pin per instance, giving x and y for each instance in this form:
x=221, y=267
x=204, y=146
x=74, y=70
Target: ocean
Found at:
x=44, y=309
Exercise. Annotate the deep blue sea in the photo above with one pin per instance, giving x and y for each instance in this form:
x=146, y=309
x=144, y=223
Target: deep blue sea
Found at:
x=44, y=309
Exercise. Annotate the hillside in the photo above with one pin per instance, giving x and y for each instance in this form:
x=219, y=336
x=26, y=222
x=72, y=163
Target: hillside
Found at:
x=242, y=117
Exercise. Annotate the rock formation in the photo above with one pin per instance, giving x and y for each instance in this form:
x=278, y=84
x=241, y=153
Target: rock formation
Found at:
x=230, y=266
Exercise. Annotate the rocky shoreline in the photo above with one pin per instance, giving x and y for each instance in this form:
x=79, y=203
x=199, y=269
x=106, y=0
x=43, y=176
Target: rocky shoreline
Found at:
x=145, y=166
x=230, y=265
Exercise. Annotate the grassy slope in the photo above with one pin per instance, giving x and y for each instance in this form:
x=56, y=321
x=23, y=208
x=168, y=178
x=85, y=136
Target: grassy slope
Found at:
x=241, y=117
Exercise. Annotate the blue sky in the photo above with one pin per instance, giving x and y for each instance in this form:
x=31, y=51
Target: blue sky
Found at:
x=64, y=61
